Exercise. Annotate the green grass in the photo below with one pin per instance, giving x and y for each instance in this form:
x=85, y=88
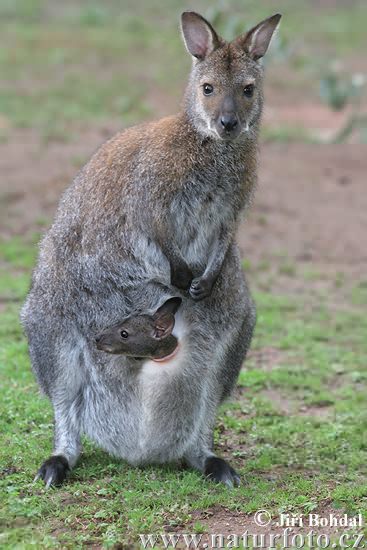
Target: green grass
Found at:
x=292, y=460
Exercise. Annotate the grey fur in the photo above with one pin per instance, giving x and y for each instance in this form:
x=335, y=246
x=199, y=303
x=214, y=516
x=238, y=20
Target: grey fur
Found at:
x=156, y=199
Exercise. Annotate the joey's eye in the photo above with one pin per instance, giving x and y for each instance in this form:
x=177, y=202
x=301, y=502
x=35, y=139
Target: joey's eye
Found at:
x=248, y=90
x=124, y=334
x=207, y=89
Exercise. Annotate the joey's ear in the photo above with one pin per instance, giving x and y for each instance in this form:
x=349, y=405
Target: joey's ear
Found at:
x=256, y=41
x=164, y=318
x=170, y=306
x=163, y=326
x=199, y=36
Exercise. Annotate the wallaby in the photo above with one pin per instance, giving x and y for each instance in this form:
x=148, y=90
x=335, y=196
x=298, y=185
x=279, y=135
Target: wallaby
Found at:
x=140, y=336
x=157, y=205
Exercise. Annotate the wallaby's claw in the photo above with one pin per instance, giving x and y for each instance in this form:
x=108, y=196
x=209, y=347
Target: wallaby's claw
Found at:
x=200, y=288
x=219, y=471
x=53, y=471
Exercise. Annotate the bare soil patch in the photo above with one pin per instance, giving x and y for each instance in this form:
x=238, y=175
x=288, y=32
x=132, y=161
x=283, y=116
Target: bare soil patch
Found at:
x=265, y=358
x=34, y=174
x=309, y=213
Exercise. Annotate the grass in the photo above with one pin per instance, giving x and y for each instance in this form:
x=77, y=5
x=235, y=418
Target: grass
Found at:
x=296, y=431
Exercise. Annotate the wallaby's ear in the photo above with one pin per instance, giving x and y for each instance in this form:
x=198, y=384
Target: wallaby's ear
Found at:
x=199, y=36
x=256, y=41
x=164, y=318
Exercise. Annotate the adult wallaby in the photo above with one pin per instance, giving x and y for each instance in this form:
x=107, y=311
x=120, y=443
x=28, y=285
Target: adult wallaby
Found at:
x=157, y=205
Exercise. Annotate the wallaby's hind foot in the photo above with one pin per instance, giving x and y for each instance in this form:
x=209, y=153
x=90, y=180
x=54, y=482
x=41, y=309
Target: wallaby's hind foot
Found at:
x=53, y=471
x=219, y=471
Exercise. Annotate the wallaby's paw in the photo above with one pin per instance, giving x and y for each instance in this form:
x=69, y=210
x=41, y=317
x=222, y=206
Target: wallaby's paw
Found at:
x=53, y=471
x=181, y=278
x=200, y=288
x=217, y=470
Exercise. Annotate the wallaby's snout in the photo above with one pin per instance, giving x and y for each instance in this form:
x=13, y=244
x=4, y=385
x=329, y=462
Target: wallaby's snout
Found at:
x=224, y=96
x=227, y=124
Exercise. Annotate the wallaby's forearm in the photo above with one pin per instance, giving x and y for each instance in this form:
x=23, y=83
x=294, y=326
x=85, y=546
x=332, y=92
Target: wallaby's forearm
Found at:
x=217, y=255
x=181, y=274
x=201, y=287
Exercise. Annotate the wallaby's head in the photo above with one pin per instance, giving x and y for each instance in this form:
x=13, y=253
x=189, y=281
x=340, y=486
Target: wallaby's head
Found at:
x=224, y=96
x=143, y=335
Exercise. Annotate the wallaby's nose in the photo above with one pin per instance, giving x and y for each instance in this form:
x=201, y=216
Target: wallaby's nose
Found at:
x=98, y=338
x=229, y=122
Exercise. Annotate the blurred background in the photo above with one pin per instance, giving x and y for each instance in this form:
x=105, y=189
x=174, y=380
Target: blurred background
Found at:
x=73, y=73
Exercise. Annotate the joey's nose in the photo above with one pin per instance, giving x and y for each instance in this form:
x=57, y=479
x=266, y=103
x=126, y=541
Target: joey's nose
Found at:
x=229, y=122
x=98, y=339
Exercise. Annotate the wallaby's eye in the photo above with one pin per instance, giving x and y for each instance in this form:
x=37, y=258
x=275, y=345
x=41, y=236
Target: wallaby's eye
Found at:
x=248, y=90
x=124, y=334
x=207, y=89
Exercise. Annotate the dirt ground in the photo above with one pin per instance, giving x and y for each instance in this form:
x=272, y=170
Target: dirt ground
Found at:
x=310, y=208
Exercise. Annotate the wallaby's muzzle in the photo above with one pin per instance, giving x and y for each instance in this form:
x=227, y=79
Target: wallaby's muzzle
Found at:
x=228, y=126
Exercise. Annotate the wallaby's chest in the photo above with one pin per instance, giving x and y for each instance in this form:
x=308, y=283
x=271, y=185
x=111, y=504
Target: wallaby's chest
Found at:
x=208, y=202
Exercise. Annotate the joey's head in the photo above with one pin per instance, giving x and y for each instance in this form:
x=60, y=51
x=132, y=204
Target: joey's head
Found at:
x=224, y=96
x=142, y=336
